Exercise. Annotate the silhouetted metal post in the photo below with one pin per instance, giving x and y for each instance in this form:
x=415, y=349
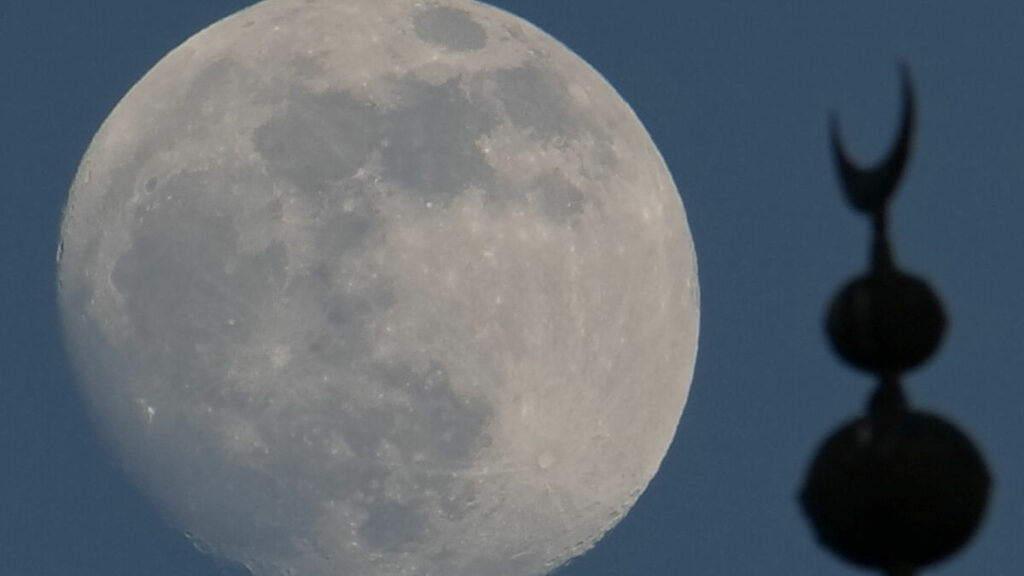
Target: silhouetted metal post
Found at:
x=895, y=489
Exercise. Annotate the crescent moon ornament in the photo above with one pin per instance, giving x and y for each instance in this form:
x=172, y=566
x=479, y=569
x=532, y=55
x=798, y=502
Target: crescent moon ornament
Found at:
x=869, y=189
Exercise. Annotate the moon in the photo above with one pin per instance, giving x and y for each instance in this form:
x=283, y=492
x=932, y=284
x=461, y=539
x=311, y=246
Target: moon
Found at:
x=380, y=287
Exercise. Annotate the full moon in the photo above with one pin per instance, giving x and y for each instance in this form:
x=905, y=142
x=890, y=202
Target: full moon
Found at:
x=380, y=287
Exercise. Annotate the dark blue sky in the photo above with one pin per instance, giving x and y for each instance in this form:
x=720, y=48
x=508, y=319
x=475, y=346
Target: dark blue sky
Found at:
x=736, y=95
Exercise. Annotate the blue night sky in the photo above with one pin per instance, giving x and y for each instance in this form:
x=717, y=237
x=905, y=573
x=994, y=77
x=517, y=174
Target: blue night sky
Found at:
x=736, y=96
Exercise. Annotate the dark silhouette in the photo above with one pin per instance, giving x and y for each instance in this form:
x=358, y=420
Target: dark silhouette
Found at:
x=895, y=489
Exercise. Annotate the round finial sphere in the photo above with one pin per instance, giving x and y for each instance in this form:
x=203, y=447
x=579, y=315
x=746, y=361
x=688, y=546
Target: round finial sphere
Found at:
x=905, y=492
x=886, y=321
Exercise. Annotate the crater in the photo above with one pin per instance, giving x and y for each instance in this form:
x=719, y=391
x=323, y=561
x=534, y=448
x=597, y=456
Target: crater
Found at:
x=450, y=28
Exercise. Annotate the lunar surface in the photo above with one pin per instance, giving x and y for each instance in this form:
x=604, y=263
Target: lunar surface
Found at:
x=380, y=287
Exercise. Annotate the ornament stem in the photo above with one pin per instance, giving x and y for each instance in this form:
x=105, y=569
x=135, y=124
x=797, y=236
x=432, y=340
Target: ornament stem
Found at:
x=881, y=249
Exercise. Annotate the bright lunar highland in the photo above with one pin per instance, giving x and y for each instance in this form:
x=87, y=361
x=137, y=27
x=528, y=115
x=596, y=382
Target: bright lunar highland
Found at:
x=381, y=287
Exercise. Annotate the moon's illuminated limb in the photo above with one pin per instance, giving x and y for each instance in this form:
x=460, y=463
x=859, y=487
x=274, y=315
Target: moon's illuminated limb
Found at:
x=381, y=287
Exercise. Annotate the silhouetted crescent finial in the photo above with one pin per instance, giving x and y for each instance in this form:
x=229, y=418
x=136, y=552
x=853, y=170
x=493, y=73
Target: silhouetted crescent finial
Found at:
x=868, y=189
